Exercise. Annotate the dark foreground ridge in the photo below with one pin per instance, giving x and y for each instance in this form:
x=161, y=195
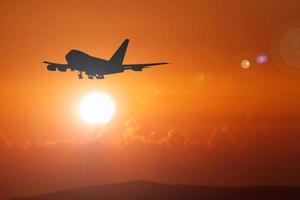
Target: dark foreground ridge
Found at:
x=143, y=190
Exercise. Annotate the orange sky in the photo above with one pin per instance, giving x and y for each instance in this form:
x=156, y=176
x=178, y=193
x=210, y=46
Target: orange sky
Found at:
x=200, y=120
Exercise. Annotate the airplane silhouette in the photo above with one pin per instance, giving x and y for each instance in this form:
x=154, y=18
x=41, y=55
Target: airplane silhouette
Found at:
x=97, y=67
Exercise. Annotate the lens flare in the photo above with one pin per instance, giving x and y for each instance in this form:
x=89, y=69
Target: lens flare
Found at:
x=245, y=64
x=262, y=59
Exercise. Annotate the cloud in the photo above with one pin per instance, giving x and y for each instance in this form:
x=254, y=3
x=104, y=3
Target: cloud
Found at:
x=173, y=138
x=222, y=138
x=4, y=141
x=133, y=133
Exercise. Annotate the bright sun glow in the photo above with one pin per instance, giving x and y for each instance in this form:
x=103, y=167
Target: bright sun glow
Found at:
x=97, y=107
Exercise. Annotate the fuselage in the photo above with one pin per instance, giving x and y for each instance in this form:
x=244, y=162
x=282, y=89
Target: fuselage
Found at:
x=83, y=62
x=96, y=67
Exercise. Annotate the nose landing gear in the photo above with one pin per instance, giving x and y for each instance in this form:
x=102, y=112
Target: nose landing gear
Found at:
x=80, y=76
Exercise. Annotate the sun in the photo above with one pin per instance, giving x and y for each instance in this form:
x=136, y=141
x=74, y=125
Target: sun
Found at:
x=97, y=107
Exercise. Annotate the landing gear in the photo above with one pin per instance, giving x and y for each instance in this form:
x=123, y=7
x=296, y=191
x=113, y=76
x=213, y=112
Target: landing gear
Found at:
x=99, y=76
x=80, y=75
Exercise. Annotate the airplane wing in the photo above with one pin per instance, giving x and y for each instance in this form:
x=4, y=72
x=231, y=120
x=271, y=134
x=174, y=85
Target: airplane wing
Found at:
x=140, y=67
x=56, y=66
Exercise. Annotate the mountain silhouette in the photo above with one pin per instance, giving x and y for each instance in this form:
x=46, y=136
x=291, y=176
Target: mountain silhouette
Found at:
x=144, y=190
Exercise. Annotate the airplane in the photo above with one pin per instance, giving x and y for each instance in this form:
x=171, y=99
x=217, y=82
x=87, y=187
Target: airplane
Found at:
x=96, y=67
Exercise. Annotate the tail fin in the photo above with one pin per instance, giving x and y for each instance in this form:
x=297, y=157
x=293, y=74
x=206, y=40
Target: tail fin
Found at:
x=119, y=55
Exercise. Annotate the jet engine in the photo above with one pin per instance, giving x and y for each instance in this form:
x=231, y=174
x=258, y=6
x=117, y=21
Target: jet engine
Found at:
x=52, y=67
x=137, y=68
x=62, y=68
